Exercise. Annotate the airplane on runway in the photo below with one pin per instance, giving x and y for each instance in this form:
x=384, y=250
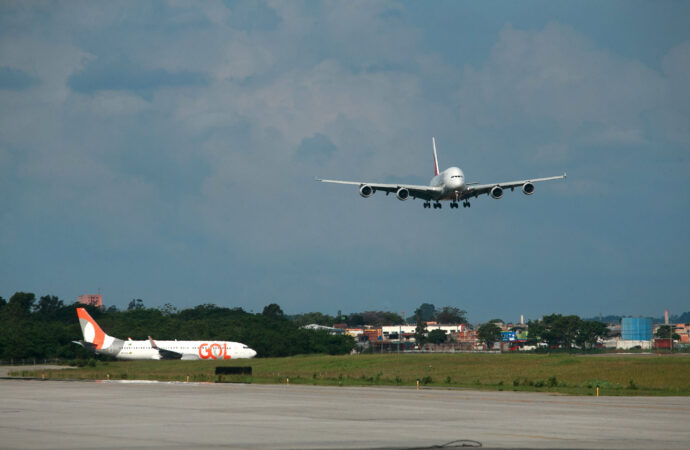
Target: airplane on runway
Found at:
x=447, y=185
x=97, y=341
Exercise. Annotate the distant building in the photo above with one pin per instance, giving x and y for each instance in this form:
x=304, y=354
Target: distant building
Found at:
x=90, y=299
x=629, y=344
x=683, y=330
x=635, y=333
x=636, y=329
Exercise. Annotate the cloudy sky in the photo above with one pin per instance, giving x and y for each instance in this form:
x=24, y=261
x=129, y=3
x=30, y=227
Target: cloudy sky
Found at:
x=167, y=151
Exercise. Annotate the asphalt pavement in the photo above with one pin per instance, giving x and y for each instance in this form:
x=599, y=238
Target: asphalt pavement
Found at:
x=63, y=414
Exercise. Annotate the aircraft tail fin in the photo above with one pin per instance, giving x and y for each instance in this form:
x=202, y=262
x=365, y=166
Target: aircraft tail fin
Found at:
x=433, y=143
x=93, y=334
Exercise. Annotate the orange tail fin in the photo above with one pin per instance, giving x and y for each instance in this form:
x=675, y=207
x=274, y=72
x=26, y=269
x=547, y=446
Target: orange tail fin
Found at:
x=93, y=333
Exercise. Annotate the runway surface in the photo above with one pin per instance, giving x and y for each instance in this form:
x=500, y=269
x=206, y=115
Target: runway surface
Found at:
x=59, y=414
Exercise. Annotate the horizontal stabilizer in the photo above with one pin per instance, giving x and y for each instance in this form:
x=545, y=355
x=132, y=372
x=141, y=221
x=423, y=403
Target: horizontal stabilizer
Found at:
x=87, y=345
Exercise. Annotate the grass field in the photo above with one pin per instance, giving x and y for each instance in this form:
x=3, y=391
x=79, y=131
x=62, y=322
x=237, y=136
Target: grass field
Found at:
x=562, y=373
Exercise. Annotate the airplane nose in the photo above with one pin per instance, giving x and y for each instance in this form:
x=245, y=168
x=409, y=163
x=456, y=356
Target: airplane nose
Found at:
x=252, y=353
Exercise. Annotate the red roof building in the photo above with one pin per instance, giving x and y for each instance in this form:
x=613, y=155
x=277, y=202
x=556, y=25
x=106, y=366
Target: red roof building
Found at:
x=93, y=300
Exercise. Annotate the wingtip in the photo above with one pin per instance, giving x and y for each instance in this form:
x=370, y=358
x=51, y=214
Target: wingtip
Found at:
x=565, y=175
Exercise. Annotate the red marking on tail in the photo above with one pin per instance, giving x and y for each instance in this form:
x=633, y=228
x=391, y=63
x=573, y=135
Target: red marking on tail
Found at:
x=433, y=143
x=99, y=335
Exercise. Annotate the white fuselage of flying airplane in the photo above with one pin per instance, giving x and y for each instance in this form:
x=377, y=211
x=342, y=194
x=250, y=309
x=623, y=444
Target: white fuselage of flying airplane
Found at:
x=452, y=183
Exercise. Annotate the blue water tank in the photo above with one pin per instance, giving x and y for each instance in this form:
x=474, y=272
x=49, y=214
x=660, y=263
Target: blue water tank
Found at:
x=636, y=329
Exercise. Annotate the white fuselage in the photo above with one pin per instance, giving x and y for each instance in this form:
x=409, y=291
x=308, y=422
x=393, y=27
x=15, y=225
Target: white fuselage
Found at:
x=220, y=350
x=452, y=180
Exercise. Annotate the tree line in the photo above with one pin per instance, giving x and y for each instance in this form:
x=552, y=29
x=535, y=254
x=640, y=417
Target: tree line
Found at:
x=555, y=330
x=44, y=328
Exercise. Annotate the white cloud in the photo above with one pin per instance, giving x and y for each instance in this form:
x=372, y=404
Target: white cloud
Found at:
x=239, y=61
x=559, y=78
x=110, y=103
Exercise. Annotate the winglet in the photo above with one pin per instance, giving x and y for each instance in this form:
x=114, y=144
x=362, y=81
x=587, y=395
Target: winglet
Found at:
x=565, y=175
x=433, y=143
x=153, y=343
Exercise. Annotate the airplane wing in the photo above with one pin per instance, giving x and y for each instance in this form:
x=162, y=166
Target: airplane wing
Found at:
x=416, y=191
x=475, y=190
x=165, y=354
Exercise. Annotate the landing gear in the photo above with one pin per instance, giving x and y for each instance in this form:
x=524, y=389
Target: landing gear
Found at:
x=427, y=205
x=437, y=205
x=466, y=204
x=454, y=205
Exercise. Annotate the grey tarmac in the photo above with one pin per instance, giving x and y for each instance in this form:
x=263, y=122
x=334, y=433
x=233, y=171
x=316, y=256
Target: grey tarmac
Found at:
x=63, y=414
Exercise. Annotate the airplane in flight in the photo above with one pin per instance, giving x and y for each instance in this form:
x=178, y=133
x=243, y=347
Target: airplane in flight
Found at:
x=97, y=341
x=447, y=185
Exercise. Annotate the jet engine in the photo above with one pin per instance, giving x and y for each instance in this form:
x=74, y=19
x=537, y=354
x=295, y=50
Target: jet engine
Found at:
x=528, y=188
x=496, y=192
x=366, y=191
x=402, y=194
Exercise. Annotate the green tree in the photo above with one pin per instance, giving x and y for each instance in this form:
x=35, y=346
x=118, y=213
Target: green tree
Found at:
x=589, y=333
x=313, y=317
x=136, y=303
x=567, y=328
x=168, y=309
x=20, y=305
x=489, y=333
x=49, y=305
x=426, y=312
x=437, y=336
x=273, y=311
x=355, y=320
x=420, y=331
x=380, y=318
x=451, y=314
x=664, y=332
